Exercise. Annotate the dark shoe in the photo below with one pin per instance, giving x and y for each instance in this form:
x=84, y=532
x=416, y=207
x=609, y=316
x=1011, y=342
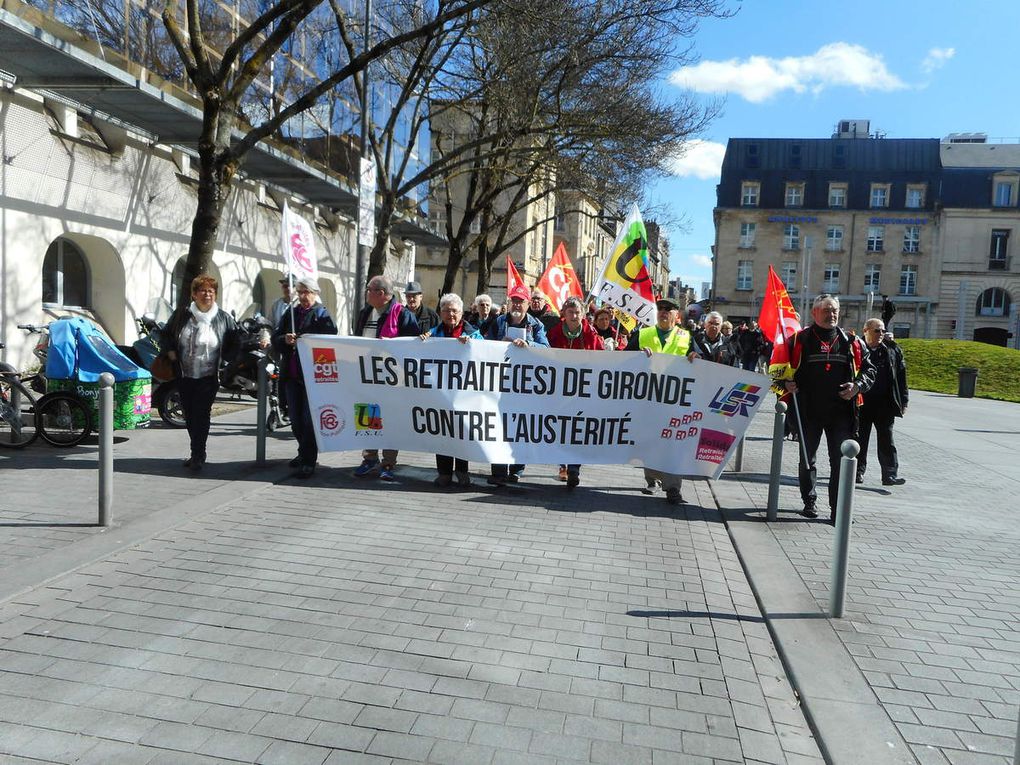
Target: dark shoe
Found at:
x=513, y=477
x=573, y=479
x=443, y=481
x=305, y=471
x=366, y=468
x=860, y=478
x=563, y=473
x=650, y=488
x=386, y=474
x=497, y=480
x=893, y=481
x=194, y=463
x=296, y=462
x=809, y=510
x=463, y=479
x=673, y=497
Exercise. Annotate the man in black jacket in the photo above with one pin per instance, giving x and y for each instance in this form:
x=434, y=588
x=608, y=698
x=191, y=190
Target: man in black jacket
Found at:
x=883, y=403
x=832, y=371
x=427, y=318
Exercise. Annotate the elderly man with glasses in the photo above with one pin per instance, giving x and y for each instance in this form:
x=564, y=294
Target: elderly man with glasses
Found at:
x=384, y=317
x=831, y=371
x=886, y=401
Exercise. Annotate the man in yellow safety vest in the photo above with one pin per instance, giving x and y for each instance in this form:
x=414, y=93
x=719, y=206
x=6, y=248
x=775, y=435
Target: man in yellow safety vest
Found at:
x=667, y=336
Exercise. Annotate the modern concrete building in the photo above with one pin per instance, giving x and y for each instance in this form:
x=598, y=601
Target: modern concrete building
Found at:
x=98, y=131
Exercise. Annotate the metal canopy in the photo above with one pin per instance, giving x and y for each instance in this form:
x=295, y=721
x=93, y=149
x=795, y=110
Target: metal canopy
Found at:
x=40, y=60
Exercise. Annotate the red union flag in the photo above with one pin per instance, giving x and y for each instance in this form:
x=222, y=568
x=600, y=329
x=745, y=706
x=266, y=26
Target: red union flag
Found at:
x=559, y=280
x=513, y=279
x=779, y=323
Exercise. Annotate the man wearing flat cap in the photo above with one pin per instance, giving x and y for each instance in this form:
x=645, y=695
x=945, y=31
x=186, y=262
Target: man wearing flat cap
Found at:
x=667, y=336
x=427, y=318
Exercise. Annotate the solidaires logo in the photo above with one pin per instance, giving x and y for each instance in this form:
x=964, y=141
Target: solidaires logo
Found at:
x=324, y=365
x=741, y=399
x=367, y=417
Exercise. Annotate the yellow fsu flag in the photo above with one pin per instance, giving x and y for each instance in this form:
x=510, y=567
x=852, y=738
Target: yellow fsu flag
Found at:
x=624, y=283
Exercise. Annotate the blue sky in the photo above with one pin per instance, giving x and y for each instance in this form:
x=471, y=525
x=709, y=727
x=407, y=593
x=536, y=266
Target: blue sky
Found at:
x=786, y=68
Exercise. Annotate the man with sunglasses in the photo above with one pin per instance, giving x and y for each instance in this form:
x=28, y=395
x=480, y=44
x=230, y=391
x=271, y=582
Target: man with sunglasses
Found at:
x=831, y=371
x=886, y=401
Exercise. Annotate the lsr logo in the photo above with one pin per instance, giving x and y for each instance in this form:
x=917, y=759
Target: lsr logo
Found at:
x=324, y=363
x=740, y=400
x=367, y=419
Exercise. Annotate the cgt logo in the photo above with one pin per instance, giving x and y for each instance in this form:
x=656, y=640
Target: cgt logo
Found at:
x=367, y=418
x=330, y=421
x=325, y=366
x=740, y=400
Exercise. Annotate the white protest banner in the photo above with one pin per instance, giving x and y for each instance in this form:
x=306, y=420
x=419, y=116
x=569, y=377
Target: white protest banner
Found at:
x=298, y=245
x=494, y=402
x=366, y=202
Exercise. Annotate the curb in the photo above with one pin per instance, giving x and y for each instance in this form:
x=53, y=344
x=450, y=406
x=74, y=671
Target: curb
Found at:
x=849, y=723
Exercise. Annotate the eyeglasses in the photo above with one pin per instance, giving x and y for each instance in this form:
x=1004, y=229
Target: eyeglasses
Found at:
x=376, y=289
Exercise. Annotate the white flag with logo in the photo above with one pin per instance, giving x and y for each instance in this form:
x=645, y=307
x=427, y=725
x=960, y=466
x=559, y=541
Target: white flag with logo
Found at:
x=298, y=245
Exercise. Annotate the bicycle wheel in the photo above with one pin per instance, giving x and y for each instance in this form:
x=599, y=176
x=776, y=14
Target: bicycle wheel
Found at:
x=64, y=419
x=17, y=414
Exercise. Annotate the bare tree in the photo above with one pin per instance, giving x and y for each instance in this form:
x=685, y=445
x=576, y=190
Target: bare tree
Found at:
x=223, y=61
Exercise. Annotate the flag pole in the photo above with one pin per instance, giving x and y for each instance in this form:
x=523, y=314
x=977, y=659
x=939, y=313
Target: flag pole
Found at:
x=796, y=406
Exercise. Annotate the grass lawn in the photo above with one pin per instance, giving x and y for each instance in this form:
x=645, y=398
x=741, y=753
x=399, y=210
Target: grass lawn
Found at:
x=933, y=364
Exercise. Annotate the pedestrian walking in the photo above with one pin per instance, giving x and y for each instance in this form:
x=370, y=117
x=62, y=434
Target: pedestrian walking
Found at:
x=197, y=338
x=831, y=371
x=308, y=317
x=883, y=403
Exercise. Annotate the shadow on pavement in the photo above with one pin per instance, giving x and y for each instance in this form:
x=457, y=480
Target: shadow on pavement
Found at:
x=717, y=615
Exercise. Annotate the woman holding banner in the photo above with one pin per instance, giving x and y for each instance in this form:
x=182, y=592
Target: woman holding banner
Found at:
x=452, y=324
x=613, y=338
x=574, y=332
x=307, y=317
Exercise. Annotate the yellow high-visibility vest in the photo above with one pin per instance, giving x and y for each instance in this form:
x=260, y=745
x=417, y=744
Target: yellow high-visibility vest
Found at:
x=678, y=342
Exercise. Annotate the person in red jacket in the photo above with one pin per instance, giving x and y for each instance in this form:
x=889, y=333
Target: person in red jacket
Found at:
x=577, y=333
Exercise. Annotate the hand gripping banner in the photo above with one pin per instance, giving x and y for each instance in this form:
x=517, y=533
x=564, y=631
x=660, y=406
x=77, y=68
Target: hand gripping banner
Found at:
x=493, y=402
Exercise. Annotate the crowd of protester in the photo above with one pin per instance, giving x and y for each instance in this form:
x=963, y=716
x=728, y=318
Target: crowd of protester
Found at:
x=841, y=404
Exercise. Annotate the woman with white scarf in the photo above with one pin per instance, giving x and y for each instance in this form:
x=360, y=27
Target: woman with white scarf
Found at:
x=196, y=339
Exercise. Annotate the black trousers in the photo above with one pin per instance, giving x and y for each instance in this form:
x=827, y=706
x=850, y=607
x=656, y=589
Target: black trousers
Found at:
x=301, y=421
x=837, y=429
x=882, y=419
x=446, y=465
x=505, y=470
x=197, y=396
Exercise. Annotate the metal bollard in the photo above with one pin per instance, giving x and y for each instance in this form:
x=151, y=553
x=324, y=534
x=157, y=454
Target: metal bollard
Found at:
x=105, y=447
x=775, y=471
x=1016, y=748
x=260, y=409
x=844, y=519
x=738, y=457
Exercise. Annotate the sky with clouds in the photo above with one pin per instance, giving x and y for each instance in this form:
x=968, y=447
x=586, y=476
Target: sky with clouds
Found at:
x=793, y=69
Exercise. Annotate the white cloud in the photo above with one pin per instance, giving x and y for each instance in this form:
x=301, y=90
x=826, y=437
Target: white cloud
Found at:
x=759, y=78
x=705, y=261
x=699, y=159
x=936, y=59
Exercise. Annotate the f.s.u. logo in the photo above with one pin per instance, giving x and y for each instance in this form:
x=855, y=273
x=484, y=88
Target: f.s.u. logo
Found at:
x=740, y=400
x=367, y=417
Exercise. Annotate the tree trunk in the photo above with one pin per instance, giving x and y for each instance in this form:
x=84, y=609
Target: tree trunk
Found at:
x=213, y=191
x=380, y=255
x=484, y=267
x=453, y=262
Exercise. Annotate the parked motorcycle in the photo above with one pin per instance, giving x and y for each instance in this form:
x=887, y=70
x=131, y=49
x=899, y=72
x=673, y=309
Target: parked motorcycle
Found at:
x=238, y=375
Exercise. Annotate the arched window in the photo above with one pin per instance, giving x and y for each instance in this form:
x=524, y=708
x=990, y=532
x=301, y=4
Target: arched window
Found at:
x=993, y=302
x=65, y=276
x=258, y=296
x=175, y=280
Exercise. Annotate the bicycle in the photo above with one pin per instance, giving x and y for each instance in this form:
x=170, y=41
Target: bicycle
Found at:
x=17, y=410
x=61, y=418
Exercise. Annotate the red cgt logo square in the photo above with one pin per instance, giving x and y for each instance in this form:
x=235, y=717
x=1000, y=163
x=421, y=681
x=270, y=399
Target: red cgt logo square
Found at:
x=325, y=367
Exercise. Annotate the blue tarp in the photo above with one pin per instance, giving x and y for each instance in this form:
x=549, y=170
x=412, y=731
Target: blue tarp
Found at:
x=79, y=350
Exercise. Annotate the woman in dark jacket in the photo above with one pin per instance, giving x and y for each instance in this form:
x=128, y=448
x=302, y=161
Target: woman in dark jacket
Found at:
x=310, y=317
x=452, y=324
x=197, y=338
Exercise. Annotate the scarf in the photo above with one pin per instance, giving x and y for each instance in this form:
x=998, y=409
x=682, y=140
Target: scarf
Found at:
x=204, y=317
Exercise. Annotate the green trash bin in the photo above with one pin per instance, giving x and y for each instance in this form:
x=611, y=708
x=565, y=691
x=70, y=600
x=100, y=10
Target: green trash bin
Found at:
x=968, y=382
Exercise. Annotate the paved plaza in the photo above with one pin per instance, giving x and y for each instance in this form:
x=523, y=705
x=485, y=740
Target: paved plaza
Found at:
x=239, y=615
